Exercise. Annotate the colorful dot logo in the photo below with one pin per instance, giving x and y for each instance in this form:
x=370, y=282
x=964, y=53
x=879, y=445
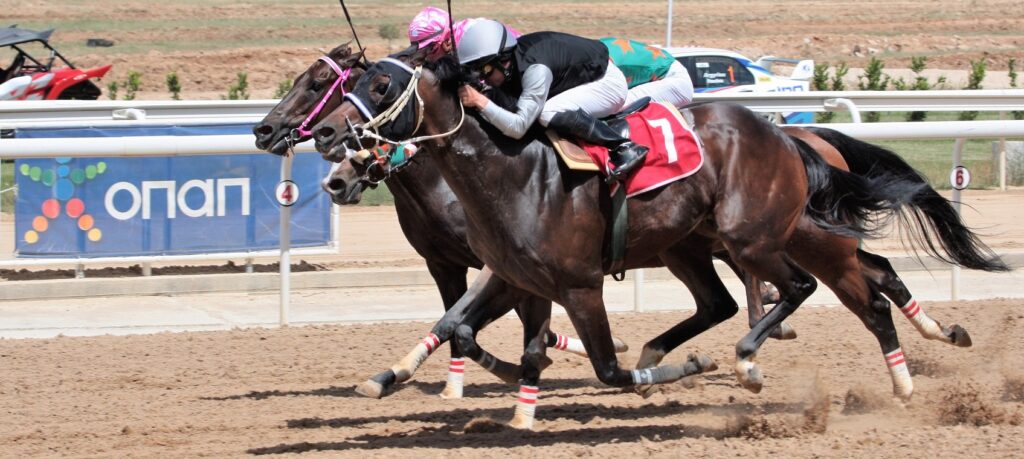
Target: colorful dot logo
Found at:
x=63, y=179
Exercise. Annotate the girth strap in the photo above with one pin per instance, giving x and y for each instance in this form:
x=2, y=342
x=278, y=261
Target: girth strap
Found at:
x=620, y=226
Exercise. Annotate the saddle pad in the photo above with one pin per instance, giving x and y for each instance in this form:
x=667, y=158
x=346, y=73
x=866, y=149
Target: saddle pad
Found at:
x=572, y=155
x=675, y=153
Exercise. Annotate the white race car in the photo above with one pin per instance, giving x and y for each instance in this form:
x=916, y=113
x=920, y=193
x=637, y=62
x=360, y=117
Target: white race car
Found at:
x=721, y=71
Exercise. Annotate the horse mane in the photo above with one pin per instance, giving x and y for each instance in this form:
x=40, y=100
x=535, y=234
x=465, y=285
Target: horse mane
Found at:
x=451, y=74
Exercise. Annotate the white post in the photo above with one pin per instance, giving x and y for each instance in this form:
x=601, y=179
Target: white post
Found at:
x=638, y=290
x=147, y=269
x=1002, y=157
x=286, y=239
x=958, y=154
x=248, y=265
x=668, y=26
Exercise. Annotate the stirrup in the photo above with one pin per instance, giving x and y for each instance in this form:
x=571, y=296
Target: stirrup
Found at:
x=624, y=170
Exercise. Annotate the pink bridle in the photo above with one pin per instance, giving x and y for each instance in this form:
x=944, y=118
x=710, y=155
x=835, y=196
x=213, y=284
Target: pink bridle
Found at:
x=302, y=130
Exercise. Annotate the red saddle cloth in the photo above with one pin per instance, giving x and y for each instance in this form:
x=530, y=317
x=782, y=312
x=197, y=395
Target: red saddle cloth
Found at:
x=674, y=152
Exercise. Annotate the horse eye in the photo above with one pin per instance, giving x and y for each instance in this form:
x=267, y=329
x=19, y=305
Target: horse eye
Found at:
x=380, y=88
x=315, y=86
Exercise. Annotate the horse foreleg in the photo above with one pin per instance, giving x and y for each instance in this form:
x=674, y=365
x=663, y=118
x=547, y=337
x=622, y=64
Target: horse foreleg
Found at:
x=536, y=316
x=451, y=283
x=880, y=273
x=482, y=291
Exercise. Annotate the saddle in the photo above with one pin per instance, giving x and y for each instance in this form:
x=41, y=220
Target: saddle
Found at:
x=579, y=160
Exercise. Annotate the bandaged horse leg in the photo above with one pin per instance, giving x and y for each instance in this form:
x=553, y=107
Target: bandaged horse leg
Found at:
x=451, y=283
x=575, y=346
x=536, y=321
x=483, y=294
x=586, y=310
x=880, y=272
x=836, y=264
x=691, y=263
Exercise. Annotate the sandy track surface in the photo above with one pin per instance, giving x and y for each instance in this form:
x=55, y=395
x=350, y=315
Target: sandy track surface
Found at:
x=240, y=393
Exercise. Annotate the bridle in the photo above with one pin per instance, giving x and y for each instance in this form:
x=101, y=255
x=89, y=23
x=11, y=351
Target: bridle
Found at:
x=370, y=129
x=302, y=131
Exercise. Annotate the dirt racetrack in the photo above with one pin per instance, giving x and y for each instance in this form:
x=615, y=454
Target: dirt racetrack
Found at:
x=276, y=392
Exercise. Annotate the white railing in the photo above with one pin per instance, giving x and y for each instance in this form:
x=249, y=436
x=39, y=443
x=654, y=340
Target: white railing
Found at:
x=123, y=113
x=88, y=113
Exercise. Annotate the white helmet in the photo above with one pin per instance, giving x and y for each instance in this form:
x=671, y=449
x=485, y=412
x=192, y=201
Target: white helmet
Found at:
x=484, y=38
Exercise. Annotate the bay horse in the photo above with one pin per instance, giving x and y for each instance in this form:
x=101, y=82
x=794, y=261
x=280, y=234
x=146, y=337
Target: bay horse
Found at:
x=428, y=213
x=536, y=238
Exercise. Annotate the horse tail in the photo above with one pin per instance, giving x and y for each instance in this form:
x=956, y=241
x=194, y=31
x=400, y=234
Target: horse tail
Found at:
x=928, y=220
x=850, y=204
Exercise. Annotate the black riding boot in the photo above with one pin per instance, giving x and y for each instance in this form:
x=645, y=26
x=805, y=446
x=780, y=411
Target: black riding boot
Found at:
x=624, y=154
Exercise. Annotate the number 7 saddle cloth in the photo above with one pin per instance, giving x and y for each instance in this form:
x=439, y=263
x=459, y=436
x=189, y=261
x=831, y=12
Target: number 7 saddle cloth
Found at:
x=675, y=152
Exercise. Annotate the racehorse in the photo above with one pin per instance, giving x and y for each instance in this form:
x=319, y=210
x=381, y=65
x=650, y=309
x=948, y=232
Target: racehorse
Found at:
x=432, y=221
x=536, y=238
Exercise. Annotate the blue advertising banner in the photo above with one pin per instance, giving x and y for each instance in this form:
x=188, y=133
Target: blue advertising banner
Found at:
x=93, y=207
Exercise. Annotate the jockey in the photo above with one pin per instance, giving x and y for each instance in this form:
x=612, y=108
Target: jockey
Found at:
x=650, y=72
x=563, y=81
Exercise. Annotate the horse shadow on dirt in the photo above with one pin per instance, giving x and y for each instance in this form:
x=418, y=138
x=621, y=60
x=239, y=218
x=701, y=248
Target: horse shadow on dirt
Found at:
x=481, y=390
x=453, y=433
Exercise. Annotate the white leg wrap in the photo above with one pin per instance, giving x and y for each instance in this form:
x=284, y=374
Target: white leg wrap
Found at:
x=526, y=406
x=927, y=326
x=902, y=385
x=642, y=377
x=568, y=344
x=453, y=389
x=408, y=365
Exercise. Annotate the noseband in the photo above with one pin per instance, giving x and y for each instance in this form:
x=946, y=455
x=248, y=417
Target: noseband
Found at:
x=302, y=131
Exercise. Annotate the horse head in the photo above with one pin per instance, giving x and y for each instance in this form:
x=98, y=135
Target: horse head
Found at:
x=316, y=92
x=387, y=105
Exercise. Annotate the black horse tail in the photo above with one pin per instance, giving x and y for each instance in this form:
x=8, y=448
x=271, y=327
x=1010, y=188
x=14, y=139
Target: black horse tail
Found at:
x=849, y=204
x=929, y=219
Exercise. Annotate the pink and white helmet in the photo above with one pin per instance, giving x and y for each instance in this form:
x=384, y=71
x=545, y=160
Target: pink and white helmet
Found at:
x=429, y=27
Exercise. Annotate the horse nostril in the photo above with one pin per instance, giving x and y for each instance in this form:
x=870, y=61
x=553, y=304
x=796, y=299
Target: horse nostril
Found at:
x=262, y=130
x=336, y=184
x=325, y=133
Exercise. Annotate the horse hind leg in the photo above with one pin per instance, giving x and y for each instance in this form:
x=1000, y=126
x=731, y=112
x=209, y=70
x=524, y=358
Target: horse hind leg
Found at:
x=689, y=263
x=833, y=261
x=880, y=273
x=758, y=294
x=794, y=285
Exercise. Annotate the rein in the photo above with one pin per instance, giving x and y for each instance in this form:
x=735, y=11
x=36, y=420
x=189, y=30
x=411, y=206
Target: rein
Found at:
x=302, y=131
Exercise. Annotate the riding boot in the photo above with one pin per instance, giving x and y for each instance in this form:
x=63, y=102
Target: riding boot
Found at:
x=624, y=154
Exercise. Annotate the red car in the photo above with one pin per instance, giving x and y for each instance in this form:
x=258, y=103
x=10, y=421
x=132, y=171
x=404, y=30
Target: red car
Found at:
x=29, y=78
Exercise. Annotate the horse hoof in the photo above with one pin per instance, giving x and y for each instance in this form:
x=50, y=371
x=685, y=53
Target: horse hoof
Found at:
x=960, y=336
x=451, y=393
x=703, y=362
x=749, y=375
x=645, y=391
x=370, y=389
x=620, y=346
x=521, y=423
x=783, y=332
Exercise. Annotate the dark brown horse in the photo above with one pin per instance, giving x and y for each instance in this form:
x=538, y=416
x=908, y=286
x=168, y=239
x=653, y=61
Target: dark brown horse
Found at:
x=768, y=198
x=428, y=212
